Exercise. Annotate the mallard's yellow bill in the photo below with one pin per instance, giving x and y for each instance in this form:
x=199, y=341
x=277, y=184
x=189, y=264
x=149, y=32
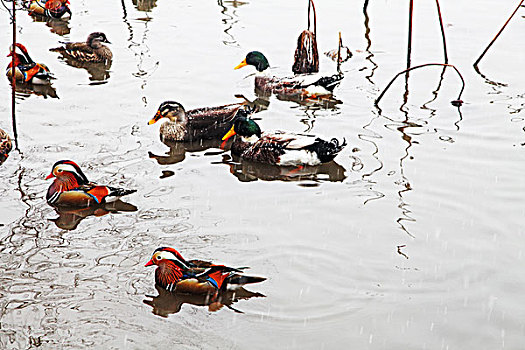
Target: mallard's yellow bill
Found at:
x=229, y=134
x=155, y=118
x=242, y=64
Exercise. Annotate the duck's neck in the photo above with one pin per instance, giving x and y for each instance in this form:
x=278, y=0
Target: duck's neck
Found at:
x=168, y=273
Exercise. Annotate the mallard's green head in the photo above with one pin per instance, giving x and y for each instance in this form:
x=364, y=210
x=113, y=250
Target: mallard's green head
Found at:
x=256, y=59
x=243, y=126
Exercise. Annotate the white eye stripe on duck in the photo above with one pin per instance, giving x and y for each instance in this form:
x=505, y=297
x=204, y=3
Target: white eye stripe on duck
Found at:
x=164, y=254
x=66, y=167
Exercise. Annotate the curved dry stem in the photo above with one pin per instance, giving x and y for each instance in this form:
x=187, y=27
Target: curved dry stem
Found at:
x=311, y=2
x=421, y=66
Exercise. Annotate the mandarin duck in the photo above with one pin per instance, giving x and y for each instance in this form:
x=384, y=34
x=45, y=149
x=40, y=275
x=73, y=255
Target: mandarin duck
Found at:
x=5, y=146
x=71, y=188
x=176, y=274
x=92, y=50
x=167, y=303
x=49, y=8
x=283, y=149
x=302, y=85
x=195, y=124
x=26, y=69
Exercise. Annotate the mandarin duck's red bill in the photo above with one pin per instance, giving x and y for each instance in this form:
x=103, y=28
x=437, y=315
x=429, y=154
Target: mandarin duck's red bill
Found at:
x=71, y=188
x=175, y=274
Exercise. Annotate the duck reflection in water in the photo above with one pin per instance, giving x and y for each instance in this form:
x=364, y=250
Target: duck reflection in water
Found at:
x=59, y=26
x=70, y=217
x=98, y=72
x=167, y=303
x=246, y=171
x=177, y=151
x=27, y=89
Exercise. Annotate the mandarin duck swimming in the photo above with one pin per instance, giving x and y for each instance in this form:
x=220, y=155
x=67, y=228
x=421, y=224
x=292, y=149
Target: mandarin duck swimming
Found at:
x=26, y=69
x=71, y=188
x=283, y=149
x=195, y=124
x=305, y=85
x=49, y=8
x=5, y=146
x=176, y=274
x=92, y=50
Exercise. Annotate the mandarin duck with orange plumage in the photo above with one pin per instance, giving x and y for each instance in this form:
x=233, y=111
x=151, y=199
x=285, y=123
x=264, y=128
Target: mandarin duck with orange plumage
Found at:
x=49, y=8
x=25, y=69
x=71, y=188
x=178, y=275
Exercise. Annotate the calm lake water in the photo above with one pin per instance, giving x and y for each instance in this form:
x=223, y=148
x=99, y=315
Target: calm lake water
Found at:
x=413, y=239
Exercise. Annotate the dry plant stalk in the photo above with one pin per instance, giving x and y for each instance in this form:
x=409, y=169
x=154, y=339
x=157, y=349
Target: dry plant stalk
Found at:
x=306, y=58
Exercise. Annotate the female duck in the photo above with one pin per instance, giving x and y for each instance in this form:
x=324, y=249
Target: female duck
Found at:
x=26, y=70
x=175, y=274
x=49, y=8
x=71, y=188
x=195, y=124
x=306, y=85
x=283, y=149
x=90, y=51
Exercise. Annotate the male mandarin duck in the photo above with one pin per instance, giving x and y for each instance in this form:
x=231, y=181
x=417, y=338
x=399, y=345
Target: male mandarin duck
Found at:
x=71, y=188
x=26, y=69
x=92, y=50
x=5, y=146
x=283, y=149
x=175, y=274
x=49, y=8
x=306, y=85
x=195, y=124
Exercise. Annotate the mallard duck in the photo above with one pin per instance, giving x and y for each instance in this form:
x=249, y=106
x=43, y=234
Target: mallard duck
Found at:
x=5, y=146
x=49, y=8
x=71, y=188
x=307, y=85
x=175, y=274
x=195, y=124
x=26, y=69
x=90, y=51
x=283, y=149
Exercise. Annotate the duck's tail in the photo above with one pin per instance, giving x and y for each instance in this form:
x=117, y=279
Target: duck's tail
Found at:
x=327, y=150
x=331, y=82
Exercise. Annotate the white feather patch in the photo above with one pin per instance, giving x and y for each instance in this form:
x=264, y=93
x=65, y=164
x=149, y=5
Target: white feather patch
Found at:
x=298, y=157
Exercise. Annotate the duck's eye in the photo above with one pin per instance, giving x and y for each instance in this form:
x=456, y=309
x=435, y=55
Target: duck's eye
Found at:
x=159, y=257
x=59, y=170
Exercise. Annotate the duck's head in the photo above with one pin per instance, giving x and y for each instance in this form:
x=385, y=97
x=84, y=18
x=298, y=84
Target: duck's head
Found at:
x=256, y=59
x=171, y=110
x=96, y=38
x=66, y=169
x=167, y=254
x=21, y=54
x=243, y=126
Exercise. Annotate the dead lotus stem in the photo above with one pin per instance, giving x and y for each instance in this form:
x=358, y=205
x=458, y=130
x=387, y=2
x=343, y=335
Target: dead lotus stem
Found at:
x=458, y=102
x=497, y=35
x=442, y=32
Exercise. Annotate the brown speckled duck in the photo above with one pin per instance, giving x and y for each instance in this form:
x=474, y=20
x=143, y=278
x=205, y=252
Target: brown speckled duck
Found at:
x=90, y=51
x=195, y=124
x=5, y=146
